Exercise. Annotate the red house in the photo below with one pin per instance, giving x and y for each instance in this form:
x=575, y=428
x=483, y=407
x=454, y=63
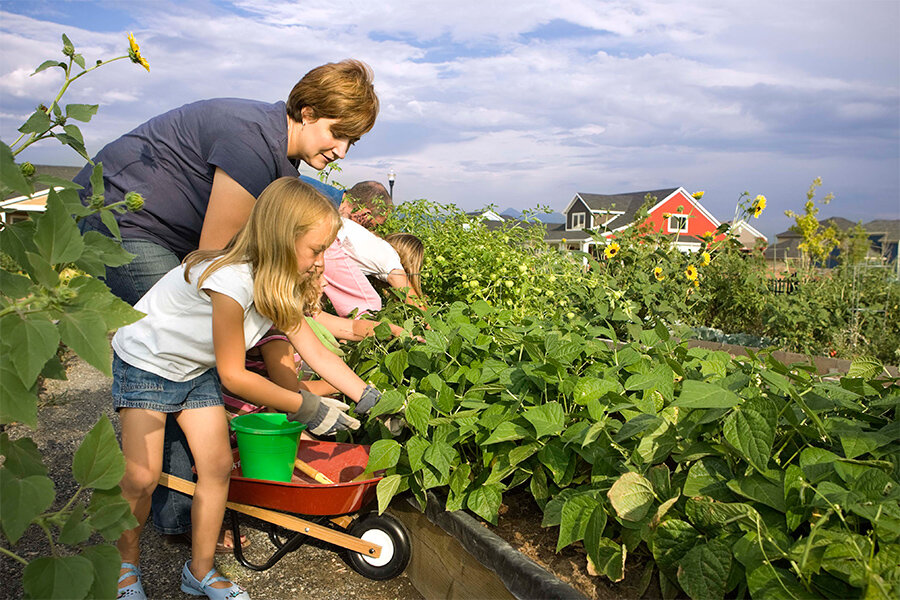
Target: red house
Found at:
x=674, y=211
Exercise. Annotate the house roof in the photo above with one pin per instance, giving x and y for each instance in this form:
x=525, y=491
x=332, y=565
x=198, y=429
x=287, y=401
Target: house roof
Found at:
x=890, y=227
x=627, y=203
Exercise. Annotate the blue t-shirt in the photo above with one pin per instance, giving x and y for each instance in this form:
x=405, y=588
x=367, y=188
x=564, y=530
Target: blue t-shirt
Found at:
x=329, y=191
x=171, y=160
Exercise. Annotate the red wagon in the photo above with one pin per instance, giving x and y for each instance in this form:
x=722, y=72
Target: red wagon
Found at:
x=376, y=546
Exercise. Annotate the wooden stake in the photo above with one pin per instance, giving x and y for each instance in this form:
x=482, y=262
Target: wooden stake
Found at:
x=317, y=475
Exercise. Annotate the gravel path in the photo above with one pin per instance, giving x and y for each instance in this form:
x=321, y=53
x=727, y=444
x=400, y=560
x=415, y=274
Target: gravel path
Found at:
x=68, y=410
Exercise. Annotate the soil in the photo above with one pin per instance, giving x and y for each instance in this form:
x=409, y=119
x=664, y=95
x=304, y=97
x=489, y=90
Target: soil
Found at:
x=519, y=525
x=67, y=411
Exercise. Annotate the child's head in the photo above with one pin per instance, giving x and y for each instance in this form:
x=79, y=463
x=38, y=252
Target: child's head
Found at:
x=367, y=203
x=412, y=254
x=289, y=228
x=341, y=91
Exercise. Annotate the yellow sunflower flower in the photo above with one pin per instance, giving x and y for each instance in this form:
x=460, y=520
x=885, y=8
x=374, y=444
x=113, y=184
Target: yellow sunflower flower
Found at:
x=134, y=52
x=611, y=250
x=697, y=195
x=705, y=259
x=691, y=273
x=759, y=204
x=658, y=273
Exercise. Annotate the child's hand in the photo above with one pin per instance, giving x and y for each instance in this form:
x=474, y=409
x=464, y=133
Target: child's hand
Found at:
x=322, y=418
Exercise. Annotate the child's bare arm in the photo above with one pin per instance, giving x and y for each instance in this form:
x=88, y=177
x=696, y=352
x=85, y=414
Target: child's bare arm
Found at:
x=324, y=362
x=352, y=329
x=278, y=355
x=398, y=280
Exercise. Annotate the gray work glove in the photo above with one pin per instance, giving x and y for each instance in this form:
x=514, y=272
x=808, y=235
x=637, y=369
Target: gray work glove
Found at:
x=369, y=398
x=321, y=417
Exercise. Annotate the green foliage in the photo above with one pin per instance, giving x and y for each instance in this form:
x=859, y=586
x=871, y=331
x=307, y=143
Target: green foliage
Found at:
x=737, y=476
x=818, y=240
x=49, y=296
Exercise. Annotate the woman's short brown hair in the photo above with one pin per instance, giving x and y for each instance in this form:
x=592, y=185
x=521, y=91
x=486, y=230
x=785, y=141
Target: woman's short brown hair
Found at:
x=342, y=91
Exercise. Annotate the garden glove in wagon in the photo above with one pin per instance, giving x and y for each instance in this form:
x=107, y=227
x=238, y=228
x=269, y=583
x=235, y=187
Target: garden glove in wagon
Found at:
x=322, y=418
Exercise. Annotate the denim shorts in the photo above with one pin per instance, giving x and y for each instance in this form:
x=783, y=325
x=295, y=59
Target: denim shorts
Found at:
x=136, y=388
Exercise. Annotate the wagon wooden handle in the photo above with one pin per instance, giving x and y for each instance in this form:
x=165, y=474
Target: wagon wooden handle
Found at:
x=309, y=470
x=319, y=532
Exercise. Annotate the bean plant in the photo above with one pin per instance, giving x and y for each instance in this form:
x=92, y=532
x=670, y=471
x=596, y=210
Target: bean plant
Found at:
x=50, y=295
x=729, y=477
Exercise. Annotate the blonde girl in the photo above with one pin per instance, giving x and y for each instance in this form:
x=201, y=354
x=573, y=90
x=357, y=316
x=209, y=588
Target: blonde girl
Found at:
x=201, y=318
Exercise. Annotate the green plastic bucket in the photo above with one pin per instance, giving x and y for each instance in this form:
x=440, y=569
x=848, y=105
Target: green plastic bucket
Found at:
x=268, y=445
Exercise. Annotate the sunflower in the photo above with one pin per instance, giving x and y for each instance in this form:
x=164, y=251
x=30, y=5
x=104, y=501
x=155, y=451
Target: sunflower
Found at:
x=611, y=250
x=691, y=273
x=705, y=259
x=697, y=195
x=658, y=273
x=134, y=52
x=759, y=204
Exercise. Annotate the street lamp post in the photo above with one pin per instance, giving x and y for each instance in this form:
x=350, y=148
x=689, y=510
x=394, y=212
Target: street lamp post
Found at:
x=391, y=177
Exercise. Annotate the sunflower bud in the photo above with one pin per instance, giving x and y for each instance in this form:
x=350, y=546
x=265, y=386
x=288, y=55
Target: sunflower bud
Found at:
x=27, y=169
x=134, y=201
x=96, y=202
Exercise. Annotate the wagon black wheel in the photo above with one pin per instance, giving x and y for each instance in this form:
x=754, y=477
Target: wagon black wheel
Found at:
x=393, y=538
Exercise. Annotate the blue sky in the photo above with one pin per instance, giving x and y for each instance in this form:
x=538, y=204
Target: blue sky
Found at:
x=521, y=103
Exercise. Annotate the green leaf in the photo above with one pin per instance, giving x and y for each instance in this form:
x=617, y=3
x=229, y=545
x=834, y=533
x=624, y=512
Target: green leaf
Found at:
x=85, y=333
x=505, y=432
x=58, y=577
x=81, y=112
x=105, y=560
x=865, y=367
x=418, y=412
x=485, y=501
x=22, y=457
x=752, y=435
x=858, y=442
x=17, y=240
x=703, y=571
x=109, y=219
x=817, y=463
x=41, y=270
x=390, y=403
x=39, y=122
x=574, y=519
x=110, y=514
x=35, y=340
x=17, y=403
x=383, y=454
x=93, y=296
x=98, y=462
x=56, y=235
x=631, y=496
x=769, y=582
x=699, y=394
x=440, y=455
x=386, y=489
x=758, y=488
x=656, y=446
x=556, y=458
x=415, y=449
x=673, y=538
x=23, y=500
x=708, y=477
x=608, y=558
x=538, y=483
x=76, y=529
x=592, y=388
x=396, y=362
x=547, y=419
x=47, y=64
x=14, y=286
x=11, y=177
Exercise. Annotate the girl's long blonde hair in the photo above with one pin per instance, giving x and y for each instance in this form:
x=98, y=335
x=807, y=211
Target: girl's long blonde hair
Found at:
x=412, y=254
x=287, y=209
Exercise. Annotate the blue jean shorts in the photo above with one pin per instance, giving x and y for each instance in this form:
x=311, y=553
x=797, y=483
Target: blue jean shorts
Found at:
x=136, y=388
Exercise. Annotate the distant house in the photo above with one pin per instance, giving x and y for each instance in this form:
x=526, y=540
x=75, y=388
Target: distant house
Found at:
x=19, y=208
x=674, y=212
x=883, y=235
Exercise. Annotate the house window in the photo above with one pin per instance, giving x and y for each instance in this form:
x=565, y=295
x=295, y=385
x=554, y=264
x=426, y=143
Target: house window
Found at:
x=678, y=224
x=578, y=221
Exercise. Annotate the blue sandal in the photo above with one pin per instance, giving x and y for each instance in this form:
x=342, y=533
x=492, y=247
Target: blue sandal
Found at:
x=190, y=585
x=132, y=591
